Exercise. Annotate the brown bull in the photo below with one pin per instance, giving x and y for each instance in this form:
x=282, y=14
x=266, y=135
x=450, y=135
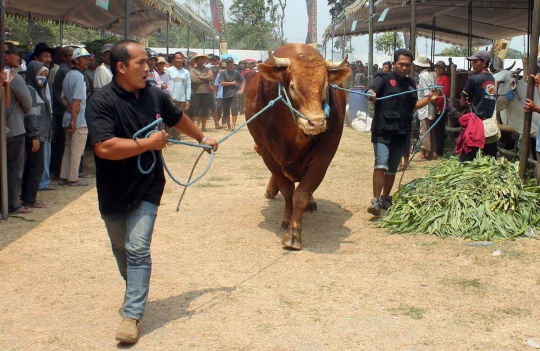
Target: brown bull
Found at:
x=301, y=151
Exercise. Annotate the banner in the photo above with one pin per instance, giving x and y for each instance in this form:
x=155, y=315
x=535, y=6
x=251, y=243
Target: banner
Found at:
x=218, y=19
x=311, y=38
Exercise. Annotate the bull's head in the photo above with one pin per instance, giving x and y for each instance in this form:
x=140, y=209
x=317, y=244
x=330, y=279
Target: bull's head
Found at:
x=506, y=82
x=306, y=78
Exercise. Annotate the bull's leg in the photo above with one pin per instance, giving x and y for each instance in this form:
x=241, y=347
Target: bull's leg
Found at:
x=312, y=205
x=293, y=237
x=272, y=189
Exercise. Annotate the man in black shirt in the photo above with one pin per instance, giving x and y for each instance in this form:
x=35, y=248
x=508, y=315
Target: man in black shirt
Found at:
x=391, y=124
x=128, y=199
x=480, y=94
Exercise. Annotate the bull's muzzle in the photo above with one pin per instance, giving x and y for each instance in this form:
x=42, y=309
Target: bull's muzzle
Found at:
x=312, y=127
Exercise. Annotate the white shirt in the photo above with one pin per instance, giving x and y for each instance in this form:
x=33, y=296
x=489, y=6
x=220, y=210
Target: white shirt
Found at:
x=179, y=84
x=425, y=79
x=102, y=76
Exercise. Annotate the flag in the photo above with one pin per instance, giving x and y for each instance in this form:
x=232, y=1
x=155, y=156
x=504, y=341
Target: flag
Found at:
x=218, y=19
x=311, y=38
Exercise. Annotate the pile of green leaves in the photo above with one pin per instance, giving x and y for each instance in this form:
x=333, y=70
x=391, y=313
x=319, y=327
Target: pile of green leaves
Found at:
x=478, y=200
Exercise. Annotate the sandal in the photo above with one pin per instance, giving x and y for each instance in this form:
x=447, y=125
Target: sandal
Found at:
x=20, y=210
x=78, y=183
x=37, y=204
x=63, y=182
x=85, y=175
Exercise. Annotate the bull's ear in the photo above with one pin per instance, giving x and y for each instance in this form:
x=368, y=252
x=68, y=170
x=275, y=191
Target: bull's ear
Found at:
x=336, y=76
x=272, y=73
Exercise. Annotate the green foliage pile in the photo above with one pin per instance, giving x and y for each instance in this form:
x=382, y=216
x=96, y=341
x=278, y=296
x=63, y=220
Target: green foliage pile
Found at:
x=478, y=200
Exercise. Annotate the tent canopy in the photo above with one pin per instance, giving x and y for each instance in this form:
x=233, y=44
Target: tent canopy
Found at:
x=491, y=19
x=146, y=16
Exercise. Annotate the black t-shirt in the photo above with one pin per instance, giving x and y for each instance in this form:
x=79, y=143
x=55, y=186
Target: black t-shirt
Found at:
x=114, y=112
x=480, y=88
x=230, y=76
x=385, y=84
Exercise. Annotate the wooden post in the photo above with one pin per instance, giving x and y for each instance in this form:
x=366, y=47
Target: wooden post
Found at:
x=370, y=54
x=533, y=54
x=413, y=34
x=3, y=148
x=453, y=93
x=127, y=14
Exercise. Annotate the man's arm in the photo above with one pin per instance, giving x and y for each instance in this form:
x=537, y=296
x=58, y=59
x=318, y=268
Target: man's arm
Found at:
x=22, y=95
x=431, y=97
x=75, y=108
x=119, y=148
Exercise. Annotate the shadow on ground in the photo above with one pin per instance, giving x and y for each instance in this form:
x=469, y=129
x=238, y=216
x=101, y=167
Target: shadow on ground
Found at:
x=323, y=231
x=18, y=225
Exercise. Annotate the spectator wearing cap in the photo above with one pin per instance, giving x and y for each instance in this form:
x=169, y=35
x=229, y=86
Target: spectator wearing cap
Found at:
x=58, y=135
x=103, y=75
x=153, y=76
x=74, y=123
x=39, y=133
x=479, y=94
x=426, y=114
x=160, y=68
x=43, y=53
x=179, y=85
x=442, y=79
x=89, y=75
x=20, y=104
x=219, y=95
x=233, y=86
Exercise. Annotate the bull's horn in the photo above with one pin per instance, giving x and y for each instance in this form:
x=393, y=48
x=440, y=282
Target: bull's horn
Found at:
x=336, y=65
x=512, y=66
x=279, y=61
x=493, y=69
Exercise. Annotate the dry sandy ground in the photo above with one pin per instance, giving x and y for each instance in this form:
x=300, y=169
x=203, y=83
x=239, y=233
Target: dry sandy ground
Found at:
x=221, y=280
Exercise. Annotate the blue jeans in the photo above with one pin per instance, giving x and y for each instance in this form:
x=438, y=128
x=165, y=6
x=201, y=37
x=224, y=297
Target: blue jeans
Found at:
x=131, y=235
x=46, y=177
x=387, y=156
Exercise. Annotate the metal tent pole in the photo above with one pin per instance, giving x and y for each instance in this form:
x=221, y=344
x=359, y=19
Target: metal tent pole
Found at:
x=3, y=151
x=128, y=11
x=167, y=34
x=413, y=33
x=370, y=52
x=61, y=33
x=533, y=54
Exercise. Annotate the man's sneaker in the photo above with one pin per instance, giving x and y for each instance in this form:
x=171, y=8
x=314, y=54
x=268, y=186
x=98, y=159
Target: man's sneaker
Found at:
x=386, y=202
x=128, y=331
x=376, y=207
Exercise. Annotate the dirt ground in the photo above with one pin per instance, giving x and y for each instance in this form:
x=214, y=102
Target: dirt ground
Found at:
x=221, y=280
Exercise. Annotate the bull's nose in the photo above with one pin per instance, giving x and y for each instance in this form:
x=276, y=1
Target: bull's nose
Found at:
x=315, y=125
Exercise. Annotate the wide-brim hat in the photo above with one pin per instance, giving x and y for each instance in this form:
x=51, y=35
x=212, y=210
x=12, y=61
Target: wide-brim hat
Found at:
x=440, y=64
x=206, y=58
x=11, y=48
x=41, y=48
x=161, y=59
x=423, y=61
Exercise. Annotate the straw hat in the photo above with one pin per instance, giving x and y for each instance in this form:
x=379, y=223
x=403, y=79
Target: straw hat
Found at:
x=423, y=61
x=194, y=58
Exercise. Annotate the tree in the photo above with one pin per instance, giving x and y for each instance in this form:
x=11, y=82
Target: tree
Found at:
x=280, y=18
x=178, y=37
x=200, y=7
x=515, y=54
x=251, y=27
x=389, y=42
x=455, y=51
x=337, y=7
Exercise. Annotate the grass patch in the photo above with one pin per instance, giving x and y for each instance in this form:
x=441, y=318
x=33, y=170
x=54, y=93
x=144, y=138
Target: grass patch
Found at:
x=411, y=311
x=515, y=311
x=219, y=179
x=465, y=284
x=514, y=255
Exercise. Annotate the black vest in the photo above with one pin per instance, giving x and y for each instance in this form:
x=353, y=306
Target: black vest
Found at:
x=395, y=114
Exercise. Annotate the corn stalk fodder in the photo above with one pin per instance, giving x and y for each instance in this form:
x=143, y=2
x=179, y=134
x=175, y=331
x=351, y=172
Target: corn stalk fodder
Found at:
x=478, y=200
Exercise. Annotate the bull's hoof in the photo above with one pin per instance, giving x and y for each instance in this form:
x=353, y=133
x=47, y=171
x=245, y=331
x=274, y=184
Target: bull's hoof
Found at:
x=284, y=224
x=292, y=240
x=270, y=194
x=312, y=207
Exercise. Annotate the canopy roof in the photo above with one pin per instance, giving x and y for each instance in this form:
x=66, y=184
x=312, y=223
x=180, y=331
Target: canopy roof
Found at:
x=491, y=19
x=146, y=16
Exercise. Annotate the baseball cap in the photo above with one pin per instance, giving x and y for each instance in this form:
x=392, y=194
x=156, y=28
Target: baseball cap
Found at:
x=422, y=61
x=229, y=59
x=480, y=55
x=80, y=52
x=66, y=51
x=106, y=47
x=11, y=48
x=161, y=59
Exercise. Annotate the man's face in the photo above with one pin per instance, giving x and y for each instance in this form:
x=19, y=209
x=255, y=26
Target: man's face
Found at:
x=135, y=73
x=82, y=62
x=251, y=65
x=107, y=57
x=230, y=65
x=200, y=61
x=478, y=65
x=45, y=57
x=67, y=59
x=439, y=71
x=152, y=63
x=386, y=68
x=160, y=67
x=178, y=61
x=402, y=66
x=12, y=59
x=92, y=63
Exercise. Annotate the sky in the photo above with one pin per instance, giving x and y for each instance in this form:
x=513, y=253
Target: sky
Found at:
x=296, y=28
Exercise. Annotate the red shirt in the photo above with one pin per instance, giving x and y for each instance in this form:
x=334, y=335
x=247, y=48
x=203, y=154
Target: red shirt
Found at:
x=443, y=81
